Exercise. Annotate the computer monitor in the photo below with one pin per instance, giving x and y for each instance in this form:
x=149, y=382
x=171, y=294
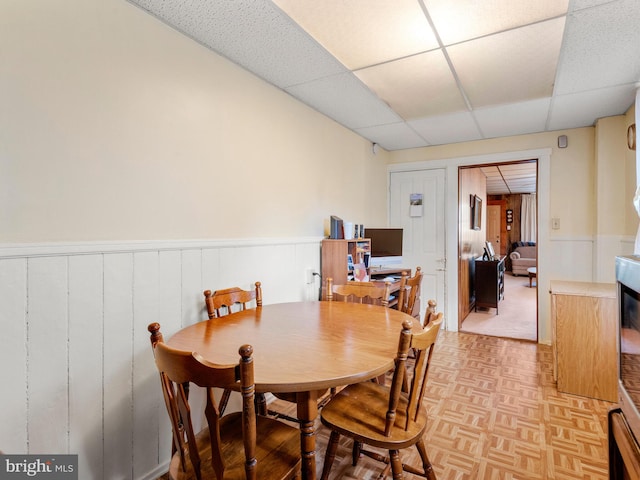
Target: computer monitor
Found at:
x=386, y=246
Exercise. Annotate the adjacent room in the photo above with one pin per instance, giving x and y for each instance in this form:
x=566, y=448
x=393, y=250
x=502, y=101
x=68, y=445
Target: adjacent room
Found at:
x=502, y=292
x=152, y=151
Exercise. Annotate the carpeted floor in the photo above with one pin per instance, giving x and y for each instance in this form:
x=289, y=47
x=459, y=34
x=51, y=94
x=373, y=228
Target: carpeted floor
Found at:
x=517, y=313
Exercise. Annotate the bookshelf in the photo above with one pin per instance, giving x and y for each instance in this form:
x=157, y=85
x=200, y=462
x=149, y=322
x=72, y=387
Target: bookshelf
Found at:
x=335, y=254
x=334, y=262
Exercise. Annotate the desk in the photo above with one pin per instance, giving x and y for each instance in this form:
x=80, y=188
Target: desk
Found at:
x=303, y=347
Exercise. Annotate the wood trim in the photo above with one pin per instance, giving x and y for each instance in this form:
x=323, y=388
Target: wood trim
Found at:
x=97, y=247
x=626, y=447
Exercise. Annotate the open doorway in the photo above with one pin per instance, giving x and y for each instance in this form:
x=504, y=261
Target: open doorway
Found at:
x=498, y=295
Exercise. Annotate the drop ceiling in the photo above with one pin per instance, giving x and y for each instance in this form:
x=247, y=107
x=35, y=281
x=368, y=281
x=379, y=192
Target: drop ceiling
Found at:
x=511, y=178
x=414, y=73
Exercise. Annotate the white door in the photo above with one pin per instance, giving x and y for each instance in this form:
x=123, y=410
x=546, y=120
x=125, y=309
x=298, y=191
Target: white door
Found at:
x=424, y=228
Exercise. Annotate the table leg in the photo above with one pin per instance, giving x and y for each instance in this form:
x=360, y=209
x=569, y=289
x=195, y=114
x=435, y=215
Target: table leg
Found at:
x=307, y=414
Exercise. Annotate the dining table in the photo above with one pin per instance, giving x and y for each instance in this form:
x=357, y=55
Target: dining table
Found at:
x=303, y=347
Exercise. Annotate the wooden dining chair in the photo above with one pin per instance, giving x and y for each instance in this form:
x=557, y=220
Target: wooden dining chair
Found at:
x=359, y=292
x=409, y=293
x=430, y=314
x=236, y=446
x=223, y=302
x=385, y=417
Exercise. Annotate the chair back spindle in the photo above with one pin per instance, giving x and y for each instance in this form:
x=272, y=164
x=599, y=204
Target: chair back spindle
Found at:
x=409, y=293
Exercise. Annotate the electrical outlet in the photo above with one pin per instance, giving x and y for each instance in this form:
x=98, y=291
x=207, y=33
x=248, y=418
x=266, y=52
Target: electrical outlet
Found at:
x=309, y=275
x=555, y=223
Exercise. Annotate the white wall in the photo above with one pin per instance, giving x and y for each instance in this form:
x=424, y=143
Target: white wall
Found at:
x=75, y=348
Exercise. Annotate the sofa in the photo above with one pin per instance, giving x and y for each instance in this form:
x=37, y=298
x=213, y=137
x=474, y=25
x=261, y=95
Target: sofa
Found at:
x=523, y=256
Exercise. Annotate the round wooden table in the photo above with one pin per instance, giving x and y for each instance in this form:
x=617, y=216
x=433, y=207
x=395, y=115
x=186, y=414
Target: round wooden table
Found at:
x=532, y=271
x=303, y=347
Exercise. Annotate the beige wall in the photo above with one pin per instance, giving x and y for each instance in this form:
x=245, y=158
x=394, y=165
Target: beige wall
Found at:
x=118, y=128
x=610, y=185
x=573, y=174
x=115, y=127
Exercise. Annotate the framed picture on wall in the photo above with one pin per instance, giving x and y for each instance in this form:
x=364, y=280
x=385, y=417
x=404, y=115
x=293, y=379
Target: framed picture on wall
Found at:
x=476, y=212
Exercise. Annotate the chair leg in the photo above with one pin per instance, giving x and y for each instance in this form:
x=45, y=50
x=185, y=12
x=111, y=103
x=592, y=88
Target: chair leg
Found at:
x=261, y=405
x=224, y=399
x=426, y=464
x=396, y=464
x=356, y=453
x=384, y=472
x=327, y=397
x=330, y=456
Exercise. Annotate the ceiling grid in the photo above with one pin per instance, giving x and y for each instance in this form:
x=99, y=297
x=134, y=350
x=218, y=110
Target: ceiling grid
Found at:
x=410, y=73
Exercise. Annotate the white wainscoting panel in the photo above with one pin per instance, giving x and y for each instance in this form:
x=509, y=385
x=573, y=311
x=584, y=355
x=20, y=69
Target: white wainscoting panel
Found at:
x=117, y=352
x=86, y=360
x=608, y=247
x=75, y=345
x=572, y=259
x=47, y=355
x=13, y=353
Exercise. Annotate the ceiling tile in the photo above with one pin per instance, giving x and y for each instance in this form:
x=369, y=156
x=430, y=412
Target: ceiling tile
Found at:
x=583, y=109
x=495, y=182
x=253, y=34
x=580, y=4
x=501, y=60
x=345, y=99
x=460, y=20
x=601, y=48
x=513, y=119
x=393, y=136
x=416, y=86
x=452, y=128
x=511, y=178
x=361, y=33
x=509, y=67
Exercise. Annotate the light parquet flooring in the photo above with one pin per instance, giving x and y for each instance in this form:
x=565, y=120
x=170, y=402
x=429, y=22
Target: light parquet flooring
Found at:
x=495, y=413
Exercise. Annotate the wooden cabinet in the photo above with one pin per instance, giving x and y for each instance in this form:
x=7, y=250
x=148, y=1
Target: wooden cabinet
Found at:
x=584, y=323
x=489, y=283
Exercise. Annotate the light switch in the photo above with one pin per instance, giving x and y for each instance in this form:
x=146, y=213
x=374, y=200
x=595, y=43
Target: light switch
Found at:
x=555, y=223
